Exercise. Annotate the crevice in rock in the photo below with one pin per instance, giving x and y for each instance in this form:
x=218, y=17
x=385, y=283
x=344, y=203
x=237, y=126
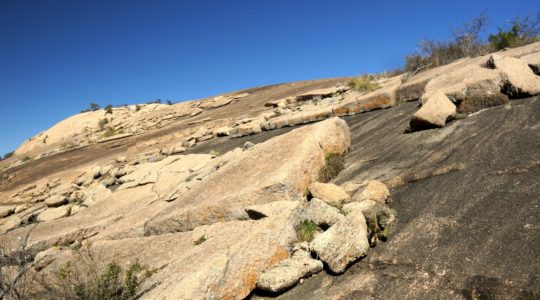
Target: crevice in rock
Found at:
x=255, y=215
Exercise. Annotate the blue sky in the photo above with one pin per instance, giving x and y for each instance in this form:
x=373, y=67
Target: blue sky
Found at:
x=58, y=56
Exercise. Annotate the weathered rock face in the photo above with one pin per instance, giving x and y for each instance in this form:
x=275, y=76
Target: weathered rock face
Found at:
x=343, y=243
x=296, y=161
x=219, y=221
x=437, y=109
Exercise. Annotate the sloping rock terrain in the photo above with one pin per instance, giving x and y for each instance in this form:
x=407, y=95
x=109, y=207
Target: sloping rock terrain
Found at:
x=433, y=190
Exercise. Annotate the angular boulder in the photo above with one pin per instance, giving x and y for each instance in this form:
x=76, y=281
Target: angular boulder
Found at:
x=375, y=190
x=288, y=272
x=436, y=110
x=343, y=243
x=329, y=193
x=323, y=214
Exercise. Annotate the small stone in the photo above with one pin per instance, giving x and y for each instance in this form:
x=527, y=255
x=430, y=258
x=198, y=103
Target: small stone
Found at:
x=54, y=213
x=6, y=211
x=56, y=200
x=248, y=145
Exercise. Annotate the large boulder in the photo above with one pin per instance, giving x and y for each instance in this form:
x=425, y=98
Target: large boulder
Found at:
x=296, y=157
x=329, y=192
x=520, y=80
x=436, y=110
x=343, y=243
x=288, y=272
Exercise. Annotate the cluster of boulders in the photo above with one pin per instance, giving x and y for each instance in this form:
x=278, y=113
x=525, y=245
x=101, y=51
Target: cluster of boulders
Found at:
x=346, y=228
x=483, y=83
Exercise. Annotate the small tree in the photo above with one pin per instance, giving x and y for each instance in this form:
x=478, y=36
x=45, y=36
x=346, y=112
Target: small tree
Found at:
x=94, y=106
x=108, y=109
x=8, y=155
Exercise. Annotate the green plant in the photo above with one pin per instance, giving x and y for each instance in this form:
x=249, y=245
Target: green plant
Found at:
x=26, y=158
x=200, y=240
x=86, y=276
x=334, y=163
x=8, y=155
x=380, y=220
x=109, y=109
x=364, y=83
x=306, y=230
x=522, y=31
x=102, y=123
x=111, y=131
x=215, y=153
x=137, y=107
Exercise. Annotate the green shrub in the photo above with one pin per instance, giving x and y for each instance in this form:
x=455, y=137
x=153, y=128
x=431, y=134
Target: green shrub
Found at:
x=109, y=109
x=111, y=131
x=26, y=158
x=306, y=230
x=522, y=31
x=137, y=107
x=200, y=240
x=86, y=276
x=380, y=220
x=334, y=163
x=364, y=83
x=8, y=155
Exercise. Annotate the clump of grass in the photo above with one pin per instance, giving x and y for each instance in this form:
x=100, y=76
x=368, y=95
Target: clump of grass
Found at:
x=201, y=240
x=306, y=230
x=26, y=158
x=215, y=153
x=364, y=83
x=334, y=163
x=111, y=131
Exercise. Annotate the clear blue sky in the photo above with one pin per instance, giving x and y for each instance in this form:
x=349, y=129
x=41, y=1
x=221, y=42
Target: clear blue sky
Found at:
x=58, y=56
